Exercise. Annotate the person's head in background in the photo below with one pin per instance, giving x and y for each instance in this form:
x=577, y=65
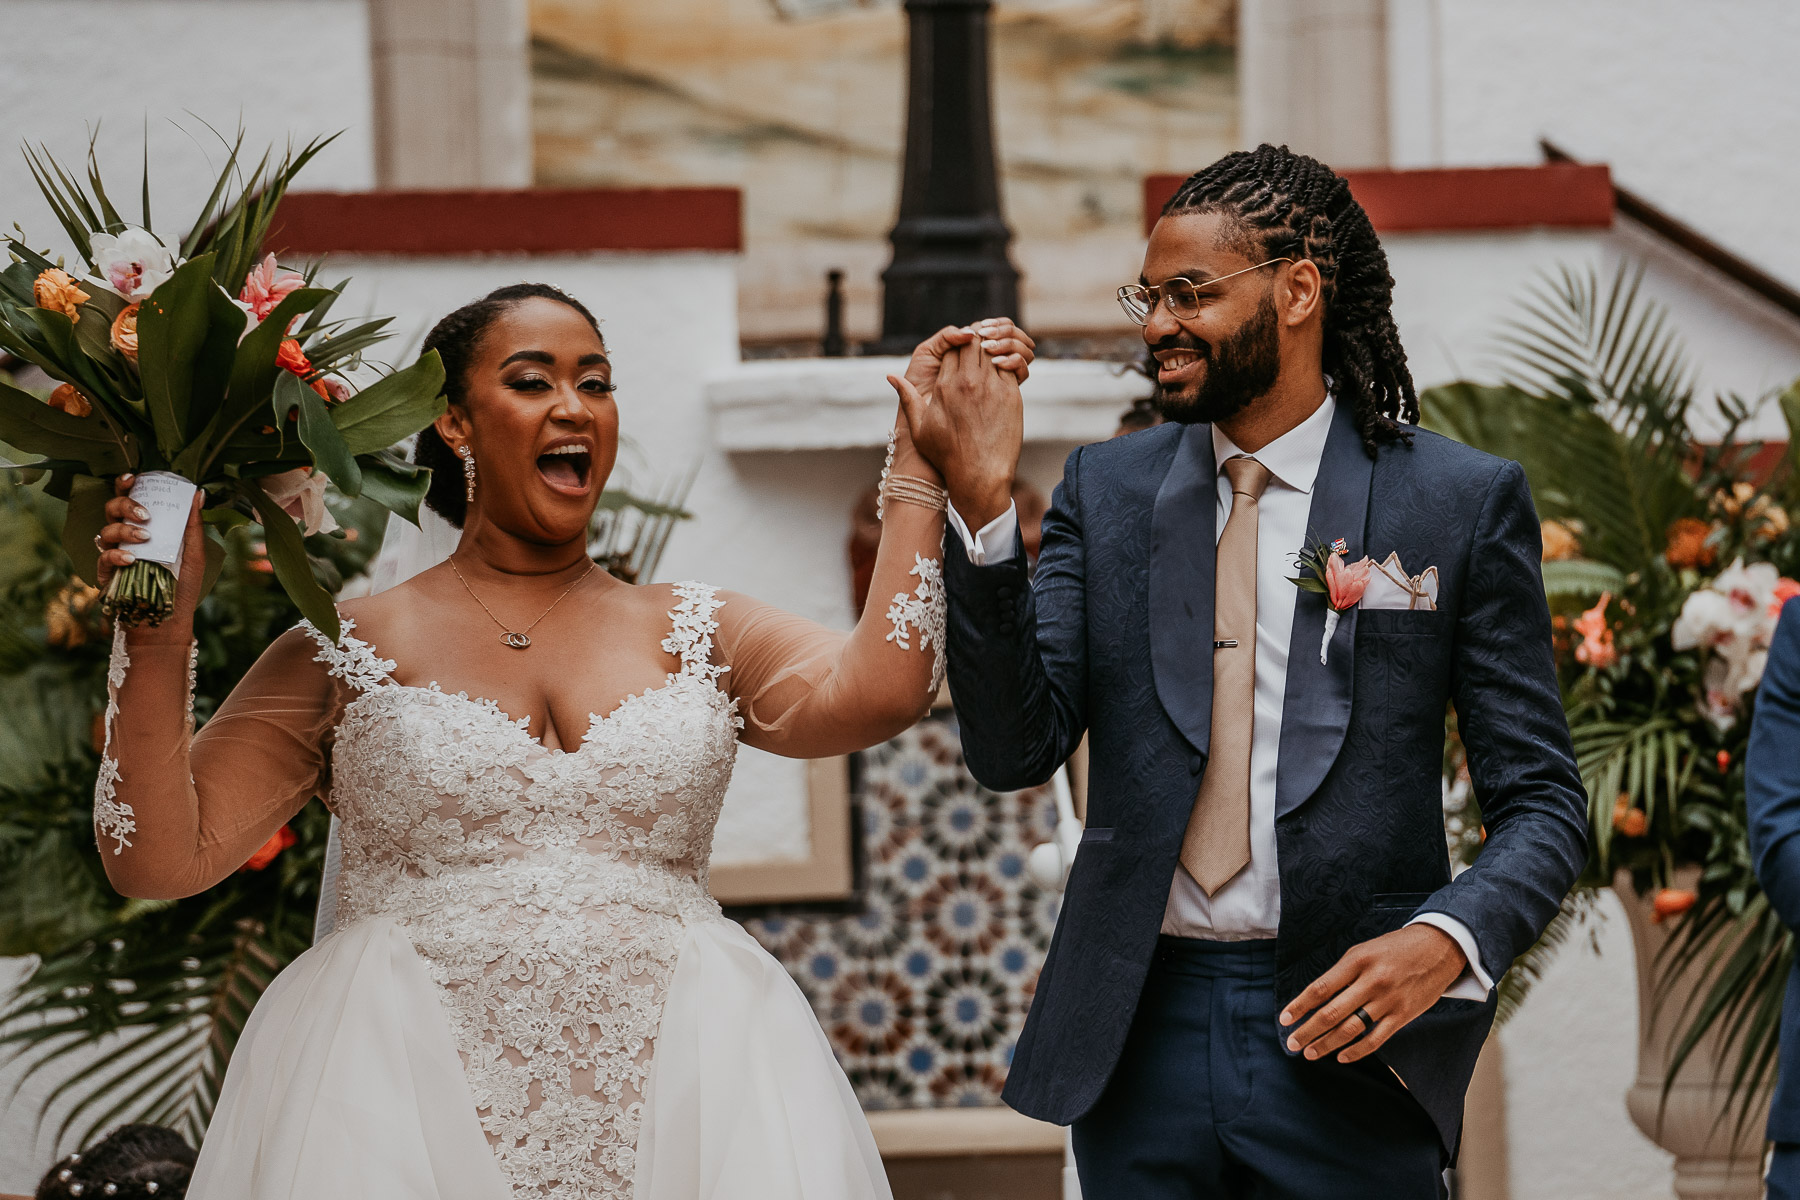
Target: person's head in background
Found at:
x=1141, y=415
x=133, y=1162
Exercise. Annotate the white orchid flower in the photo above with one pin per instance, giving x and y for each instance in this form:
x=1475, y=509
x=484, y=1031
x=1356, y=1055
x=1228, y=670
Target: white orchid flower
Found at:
x=132, y=263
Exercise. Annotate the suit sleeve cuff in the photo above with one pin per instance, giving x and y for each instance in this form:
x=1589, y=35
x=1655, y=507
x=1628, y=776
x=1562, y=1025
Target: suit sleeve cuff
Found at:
x=993, y=545
x=1474, y=983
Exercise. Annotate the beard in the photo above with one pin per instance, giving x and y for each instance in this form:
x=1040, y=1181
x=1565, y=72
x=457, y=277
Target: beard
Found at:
x=1239, y=370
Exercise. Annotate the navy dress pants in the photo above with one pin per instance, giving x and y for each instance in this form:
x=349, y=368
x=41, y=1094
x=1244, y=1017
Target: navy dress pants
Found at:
x=1784, y=1172
x=1206, y=1104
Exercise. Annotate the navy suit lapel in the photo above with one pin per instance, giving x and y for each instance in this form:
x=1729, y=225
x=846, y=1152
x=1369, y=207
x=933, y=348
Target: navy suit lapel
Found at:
x=1183, y=544
x=1315, y=711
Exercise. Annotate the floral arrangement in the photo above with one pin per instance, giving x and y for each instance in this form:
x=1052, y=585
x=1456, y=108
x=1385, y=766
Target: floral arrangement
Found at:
x=1668, y=554
x=199, y=363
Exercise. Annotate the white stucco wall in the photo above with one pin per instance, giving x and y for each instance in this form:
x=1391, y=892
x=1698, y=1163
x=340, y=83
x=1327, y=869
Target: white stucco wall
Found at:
x=1453, y=292
x=163, y=70
x=1695, y=106
x=1571, y=1052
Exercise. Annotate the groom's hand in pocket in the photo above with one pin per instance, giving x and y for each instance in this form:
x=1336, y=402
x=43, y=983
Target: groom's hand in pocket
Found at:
x=1392, y=978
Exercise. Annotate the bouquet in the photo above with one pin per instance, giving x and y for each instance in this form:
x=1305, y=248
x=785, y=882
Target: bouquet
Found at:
x=199, y=363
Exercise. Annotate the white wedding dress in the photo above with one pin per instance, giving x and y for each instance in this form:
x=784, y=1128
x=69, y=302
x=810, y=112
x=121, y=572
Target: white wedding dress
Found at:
x=529, y=991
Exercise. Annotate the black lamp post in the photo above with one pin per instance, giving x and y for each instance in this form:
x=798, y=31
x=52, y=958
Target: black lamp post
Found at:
x=950, y=265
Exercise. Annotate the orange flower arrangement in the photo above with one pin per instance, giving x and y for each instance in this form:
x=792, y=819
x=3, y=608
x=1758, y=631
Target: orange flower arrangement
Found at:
x=55, y=290
x=1560, y=542
x=1688, y=544
x=1671, y=902
x=1632, y=822
x=1596, y=649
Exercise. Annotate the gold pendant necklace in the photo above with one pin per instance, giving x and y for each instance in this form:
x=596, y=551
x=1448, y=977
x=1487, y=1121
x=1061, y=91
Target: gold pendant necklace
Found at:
x=520, y=640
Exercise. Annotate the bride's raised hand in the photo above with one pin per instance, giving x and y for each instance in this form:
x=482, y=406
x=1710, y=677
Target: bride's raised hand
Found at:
x=1011, y=348
x=970, y=431
x=124, y=530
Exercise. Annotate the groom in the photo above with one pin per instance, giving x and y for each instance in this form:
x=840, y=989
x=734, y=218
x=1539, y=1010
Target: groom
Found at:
x=1264, y=981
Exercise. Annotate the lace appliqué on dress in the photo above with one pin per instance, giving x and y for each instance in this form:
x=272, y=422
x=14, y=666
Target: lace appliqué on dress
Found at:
x=696, y=620
x=923, y=610
x=350, y=659
x=113, y=818
x=547, y=892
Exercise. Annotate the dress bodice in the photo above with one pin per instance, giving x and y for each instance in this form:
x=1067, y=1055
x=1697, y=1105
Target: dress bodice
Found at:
x=438, y=789
x=546, y=890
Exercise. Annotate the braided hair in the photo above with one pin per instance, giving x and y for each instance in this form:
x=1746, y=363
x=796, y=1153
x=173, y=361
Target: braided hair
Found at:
x=1287, y=204
x=457, y=338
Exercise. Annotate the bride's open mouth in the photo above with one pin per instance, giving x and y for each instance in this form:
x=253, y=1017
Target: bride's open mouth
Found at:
x=567, y=467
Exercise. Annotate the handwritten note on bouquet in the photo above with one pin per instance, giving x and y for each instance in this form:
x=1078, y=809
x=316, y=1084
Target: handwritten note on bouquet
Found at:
x=167, y=497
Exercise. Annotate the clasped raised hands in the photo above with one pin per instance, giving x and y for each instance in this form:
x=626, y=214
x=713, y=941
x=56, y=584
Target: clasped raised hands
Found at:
x=960, y=396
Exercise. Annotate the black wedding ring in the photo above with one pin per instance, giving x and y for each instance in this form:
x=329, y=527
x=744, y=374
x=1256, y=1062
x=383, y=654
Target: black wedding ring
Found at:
x=1367, y=1020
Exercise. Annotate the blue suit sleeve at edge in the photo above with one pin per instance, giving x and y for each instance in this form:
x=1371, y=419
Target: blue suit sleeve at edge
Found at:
x=1018, y=651
x=1510, y=715
x=1772, y=771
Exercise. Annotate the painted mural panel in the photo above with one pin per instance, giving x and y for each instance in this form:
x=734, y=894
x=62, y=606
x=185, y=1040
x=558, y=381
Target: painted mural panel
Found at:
x=801, y=104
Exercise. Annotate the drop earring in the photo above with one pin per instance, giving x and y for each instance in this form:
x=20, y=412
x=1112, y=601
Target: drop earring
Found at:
x=468, y=460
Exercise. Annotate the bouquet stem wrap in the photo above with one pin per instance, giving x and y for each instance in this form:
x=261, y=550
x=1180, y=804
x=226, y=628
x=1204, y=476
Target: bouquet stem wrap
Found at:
x=144, y=592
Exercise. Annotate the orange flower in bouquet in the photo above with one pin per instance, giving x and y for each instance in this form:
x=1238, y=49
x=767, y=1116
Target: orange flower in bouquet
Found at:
x=55, y=290
x=66, y=399
x=124, y=332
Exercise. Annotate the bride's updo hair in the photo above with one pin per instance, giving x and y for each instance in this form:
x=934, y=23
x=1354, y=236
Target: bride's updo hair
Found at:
x=456, y=338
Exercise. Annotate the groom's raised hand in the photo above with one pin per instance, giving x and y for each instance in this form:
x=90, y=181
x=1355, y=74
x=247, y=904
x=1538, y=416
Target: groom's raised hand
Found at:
x=967, y=419
x=1392, y=978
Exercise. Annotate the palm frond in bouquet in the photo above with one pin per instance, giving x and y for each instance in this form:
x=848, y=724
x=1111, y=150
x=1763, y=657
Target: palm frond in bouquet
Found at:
x=200, y=362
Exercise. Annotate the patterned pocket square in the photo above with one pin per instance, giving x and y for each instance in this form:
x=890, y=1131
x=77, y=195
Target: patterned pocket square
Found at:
x=1391, y=587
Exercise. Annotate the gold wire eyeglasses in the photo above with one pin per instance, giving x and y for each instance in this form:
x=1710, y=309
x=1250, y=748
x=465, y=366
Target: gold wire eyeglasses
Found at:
x=1181, y=296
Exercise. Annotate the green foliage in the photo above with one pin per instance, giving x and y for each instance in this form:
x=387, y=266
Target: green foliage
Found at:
x=176, y=980
x=1596, y=405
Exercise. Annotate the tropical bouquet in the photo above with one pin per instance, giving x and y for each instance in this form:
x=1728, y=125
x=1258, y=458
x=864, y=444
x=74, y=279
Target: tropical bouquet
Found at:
x=1670, y=542
x=199, y=362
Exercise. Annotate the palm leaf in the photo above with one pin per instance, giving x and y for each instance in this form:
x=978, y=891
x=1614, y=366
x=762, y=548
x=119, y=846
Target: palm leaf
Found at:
x=1576, y=579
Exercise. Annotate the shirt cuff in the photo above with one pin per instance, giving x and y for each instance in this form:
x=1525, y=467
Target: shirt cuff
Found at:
x=1474, y=983
x=994, y=544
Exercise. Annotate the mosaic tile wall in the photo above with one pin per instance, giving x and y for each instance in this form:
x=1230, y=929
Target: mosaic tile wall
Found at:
x=924, y=991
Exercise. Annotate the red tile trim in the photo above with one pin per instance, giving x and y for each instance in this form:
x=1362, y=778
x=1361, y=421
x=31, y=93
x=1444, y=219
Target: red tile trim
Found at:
x=1564, y=195
x=534, y=221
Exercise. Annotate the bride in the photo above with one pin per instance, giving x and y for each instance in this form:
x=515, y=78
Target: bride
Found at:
x=529, y=990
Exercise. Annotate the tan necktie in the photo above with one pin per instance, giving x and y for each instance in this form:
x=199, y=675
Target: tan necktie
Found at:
x=1217, y=844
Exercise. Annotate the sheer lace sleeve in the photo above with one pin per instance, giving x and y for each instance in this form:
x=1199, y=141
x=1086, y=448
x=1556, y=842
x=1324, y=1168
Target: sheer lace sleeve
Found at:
x=807, y=691
x=175, y=811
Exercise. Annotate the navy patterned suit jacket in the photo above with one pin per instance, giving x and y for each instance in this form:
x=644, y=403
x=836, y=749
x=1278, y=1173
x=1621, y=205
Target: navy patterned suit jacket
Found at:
x=1772, y=798
x=1114, y=638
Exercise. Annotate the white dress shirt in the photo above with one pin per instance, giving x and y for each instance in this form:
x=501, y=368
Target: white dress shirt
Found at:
x=1249, y=906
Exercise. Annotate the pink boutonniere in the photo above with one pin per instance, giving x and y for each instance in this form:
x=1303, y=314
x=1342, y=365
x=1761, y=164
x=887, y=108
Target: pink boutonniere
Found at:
x=1323, y=569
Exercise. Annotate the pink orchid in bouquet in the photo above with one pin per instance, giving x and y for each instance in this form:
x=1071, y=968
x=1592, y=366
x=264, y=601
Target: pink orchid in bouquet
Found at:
x=199, y=363
x=266, y=287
